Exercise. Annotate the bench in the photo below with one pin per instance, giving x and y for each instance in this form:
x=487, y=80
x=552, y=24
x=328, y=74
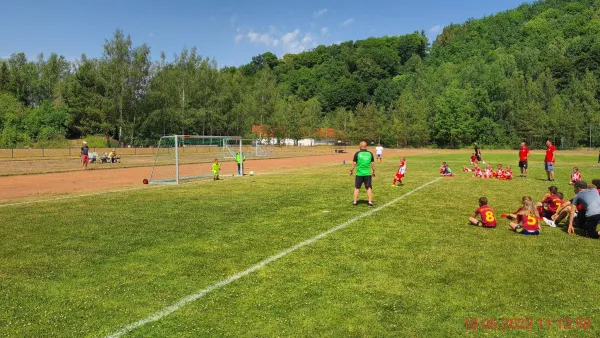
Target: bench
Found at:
x=339, y=151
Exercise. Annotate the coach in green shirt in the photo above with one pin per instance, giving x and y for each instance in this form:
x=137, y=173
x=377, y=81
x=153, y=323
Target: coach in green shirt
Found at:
x=364, y=162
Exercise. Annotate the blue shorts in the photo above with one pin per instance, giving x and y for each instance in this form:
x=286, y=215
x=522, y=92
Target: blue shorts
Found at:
x=519, y=229
x=379, y=155
x=549, y=166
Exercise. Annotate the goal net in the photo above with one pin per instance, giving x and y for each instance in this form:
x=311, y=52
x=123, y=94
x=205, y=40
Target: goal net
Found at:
x=250, y=147
x=184, y=157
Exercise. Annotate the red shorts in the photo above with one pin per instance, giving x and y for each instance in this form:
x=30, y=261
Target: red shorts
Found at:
x=85, y=158
x=399, y=176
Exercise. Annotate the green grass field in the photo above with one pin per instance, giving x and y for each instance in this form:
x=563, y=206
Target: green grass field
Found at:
x=90, y=266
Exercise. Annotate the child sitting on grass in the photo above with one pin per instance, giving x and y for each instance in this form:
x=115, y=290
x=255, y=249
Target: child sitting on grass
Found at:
x=507, y=174
x=473, y=159
x=488, y=219
x=575, y=176
x=526, y=222
x=445, y=170
x=499, y=172
x=489, y=172
x=552, y=203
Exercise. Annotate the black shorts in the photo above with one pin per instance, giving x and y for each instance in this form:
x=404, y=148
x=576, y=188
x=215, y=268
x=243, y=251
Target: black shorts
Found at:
x=363, y=179
x=522, y=164
x=479, y=158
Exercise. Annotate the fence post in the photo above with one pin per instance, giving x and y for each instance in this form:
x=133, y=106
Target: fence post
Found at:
x=12, y=152
x=135, y=150
x=42, y=152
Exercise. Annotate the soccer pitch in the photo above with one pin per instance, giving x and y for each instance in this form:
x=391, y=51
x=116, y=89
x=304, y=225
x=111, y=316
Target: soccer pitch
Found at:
x=410, y=267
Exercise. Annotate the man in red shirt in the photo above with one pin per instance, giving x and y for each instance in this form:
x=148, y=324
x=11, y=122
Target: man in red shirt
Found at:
x=549, y=160
x=523, y=159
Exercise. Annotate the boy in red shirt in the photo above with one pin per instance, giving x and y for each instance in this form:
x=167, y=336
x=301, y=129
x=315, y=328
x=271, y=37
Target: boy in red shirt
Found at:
x=488, y=219
x=400, y=173
x=553, y=202
x=499, y=173
x=473, y=158
x=507, y=174
x=489, y=172
x=575, y=176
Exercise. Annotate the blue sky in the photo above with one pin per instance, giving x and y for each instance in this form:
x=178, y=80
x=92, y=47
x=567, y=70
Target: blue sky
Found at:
x=229, y=31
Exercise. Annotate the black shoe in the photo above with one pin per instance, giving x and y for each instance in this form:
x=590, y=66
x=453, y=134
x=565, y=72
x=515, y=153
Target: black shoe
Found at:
x=370, y=204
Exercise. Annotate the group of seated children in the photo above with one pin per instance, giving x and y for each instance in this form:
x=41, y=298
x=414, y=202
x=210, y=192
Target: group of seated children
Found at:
x=523, y=221
x=110, y=157
x=445, y=170
x=501, y=174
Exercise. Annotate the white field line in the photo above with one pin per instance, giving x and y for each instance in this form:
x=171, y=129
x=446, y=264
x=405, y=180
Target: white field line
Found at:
x=193, y=297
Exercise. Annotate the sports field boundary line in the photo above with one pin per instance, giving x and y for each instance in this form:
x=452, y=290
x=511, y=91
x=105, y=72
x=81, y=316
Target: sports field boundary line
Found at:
x=193, y=297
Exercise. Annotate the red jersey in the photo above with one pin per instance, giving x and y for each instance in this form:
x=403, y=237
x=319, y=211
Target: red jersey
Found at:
x=523, y=153
x=575, y=177
x=499, y=173
x=528, y=222
x=554, y=203
x=549, y=153
x=488, y=219
x=402, y=168
x=508, y=174
x=473, y=158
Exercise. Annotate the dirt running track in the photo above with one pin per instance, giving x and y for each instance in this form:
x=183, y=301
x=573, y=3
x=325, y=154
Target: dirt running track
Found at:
x=27, y=186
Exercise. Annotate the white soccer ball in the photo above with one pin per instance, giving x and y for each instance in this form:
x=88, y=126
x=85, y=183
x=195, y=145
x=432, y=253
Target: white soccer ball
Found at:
x=252, y=173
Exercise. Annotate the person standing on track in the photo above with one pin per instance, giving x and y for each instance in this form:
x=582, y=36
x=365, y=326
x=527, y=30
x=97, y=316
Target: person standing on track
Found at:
x=523, y=159
x=364, y=162
x=85, y=156
x=549, y=160
x=379, y=152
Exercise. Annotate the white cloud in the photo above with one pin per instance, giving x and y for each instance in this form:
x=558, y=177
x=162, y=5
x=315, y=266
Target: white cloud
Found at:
x=290, y=42
x=436, y=29
x=320, y=12
x=324, y=31
x=265, y=38
x=348, y=22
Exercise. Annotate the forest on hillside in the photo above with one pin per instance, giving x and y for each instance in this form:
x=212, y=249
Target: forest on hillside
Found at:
x=530, y=73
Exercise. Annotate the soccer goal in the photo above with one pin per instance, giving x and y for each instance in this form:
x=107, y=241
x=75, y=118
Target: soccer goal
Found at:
x=186, y=157
x=250, y=147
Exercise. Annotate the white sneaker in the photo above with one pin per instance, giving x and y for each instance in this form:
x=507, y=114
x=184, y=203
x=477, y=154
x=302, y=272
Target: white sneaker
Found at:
x=550, y=222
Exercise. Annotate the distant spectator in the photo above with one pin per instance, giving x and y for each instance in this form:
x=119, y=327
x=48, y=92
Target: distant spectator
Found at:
x=379, y=152
x=84, y=156
x=104, y=158
x=477, y=152
x=113, y=158
x=590, y=201
x=549, y=160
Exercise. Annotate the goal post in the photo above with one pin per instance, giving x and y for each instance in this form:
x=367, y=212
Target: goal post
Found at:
x=186, y=157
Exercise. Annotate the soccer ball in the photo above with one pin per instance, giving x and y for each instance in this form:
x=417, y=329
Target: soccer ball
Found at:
x=252, y=173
